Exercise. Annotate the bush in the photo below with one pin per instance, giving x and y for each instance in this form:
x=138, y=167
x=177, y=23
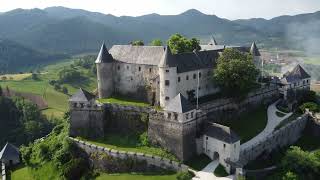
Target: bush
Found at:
x=185, y=175
x=64, y=90
x=144, y=139
x=69, y=75
x=313, y=107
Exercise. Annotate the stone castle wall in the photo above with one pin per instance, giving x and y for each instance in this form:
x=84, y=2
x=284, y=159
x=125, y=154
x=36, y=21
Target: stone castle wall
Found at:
x=286, y=135
x=222, y=109
x=177, y=138
x=149, y=159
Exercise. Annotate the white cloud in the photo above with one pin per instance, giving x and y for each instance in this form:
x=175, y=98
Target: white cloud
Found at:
x=231, y=9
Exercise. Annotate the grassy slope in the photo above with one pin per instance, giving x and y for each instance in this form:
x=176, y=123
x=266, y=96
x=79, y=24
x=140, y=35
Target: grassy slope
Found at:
x=257, y=120
x=57, y=101
x=129, y=143
x=137, y=177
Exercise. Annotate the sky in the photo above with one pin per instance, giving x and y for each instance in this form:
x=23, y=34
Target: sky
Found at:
x=230, y=9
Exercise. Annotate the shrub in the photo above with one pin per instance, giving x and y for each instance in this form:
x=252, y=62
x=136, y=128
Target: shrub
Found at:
x=185, y=175
x=313, y=107
x=64, y=90
x=144, y=139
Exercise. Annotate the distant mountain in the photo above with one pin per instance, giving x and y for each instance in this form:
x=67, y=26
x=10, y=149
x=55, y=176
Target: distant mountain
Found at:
x=15, y=57
x=64, y=30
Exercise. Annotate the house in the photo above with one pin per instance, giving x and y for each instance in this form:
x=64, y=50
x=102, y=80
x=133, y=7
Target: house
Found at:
x=10, y=155
x=297, y=79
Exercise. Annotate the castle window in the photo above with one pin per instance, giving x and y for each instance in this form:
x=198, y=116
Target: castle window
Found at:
x=74, y=104
x=307, y=81
x=150, y=69
x=199, y=74
x=199, y=87
x=169, y=115
x=207, y=138
x=118, y=67
x=224, y=145
x=191, y=114
x=167, y=82
x=175, y=116
x=179, y=79
x=187, y=77
x=127, y=67
x=167, y=70
x=81, y=105
x=187, y=116
x=167, y=98
x=194, y=76
x=139, y=68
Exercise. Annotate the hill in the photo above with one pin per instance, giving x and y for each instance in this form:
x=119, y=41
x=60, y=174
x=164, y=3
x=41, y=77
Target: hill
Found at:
x=15, y=57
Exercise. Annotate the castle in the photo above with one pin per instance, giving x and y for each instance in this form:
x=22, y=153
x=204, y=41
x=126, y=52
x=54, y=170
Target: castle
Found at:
x=154, y=74
x=173, y=82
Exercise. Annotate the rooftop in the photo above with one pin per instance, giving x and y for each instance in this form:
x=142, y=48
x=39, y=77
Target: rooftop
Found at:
x=297, y=74
x=9, y=151
x=222, y=133
x=82, y=96
x=179, y=104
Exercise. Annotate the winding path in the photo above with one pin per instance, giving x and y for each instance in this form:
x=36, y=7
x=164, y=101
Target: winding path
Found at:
x=273, y=121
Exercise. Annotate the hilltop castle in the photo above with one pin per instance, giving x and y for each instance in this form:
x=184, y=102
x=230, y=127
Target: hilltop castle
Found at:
x=154, y=74
x=171, y=81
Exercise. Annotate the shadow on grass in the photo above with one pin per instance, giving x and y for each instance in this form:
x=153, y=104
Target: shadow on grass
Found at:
x=198, y=162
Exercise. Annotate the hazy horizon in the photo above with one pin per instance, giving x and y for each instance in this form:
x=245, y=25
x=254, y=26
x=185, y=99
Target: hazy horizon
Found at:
x=230, y=9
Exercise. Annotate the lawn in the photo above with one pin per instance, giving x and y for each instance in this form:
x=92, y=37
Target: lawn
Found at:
x=16, y=77
x=257, y=121
x=312, y=60
x=291, y=118
x=137, y=176
x=124, y=101
x=220, y=171
x=198, y=162
x=129, y=143
x=280, y=114
x=21, y=173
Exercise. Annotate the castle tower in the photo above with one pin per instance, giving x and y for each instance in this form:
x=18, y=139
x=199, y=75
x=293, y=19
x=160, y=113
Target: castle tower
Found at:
x=168, y=77
x=104, y=64
x=213, y=41
x=256, y=56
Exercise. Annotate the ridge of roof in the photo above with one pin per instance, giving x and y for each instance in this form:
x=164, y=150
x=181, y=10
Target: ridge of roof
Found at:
x=254, y=50
x=9, y=150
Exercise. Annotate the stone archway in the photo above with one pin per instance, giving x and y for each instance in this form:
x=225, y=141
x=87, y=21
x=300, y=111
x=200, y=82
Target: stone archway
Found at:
x=215, y=156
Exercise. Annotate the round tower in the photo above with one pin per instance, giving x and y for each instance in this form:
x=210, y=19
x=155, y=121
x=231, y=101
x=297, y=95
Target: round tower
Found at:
x=168, y=78
x=104, y=64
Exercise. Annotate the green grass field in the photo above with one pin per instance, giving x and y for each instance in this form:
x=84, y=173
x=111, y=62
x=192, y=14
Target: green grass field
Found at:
x=57, y=101
x=220, y=171
x=21, y=173
x=257, y=120
x=16, y=77
x=123, y=101
x=129, y=143
x=165, y=176
x=312, y=60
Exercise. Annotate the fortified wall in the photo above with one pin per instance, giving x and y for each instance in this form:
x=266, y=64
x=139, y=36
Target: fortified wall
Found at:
x=227, y=108
x=284, y=136
x=150, y=160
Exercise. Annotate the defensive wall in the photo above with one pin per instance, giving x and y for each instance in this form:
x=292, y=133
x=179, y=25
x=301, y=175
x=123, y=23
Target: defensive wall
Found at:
x=151, y=160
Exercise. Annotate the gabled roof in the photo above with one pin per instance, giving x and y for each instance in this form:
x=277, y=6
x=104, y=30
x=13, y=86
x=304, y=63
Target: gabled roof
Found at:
x=146, y=55
x=104, y=56
x=297, y=74
x=82, y=96
x=179, y=104
x=254, y=50
x=168, y=59
x=222, y=133
x=9, y=151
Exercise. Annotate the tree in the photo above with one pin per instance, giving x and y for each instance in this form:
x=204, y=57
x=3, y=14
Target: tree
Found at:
x=156, y=42
x=64, y=90
x=137, y=43
x=313, y=107
x=290, y=176
x=34, y=76
x=235, y=72
x=180, y=44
